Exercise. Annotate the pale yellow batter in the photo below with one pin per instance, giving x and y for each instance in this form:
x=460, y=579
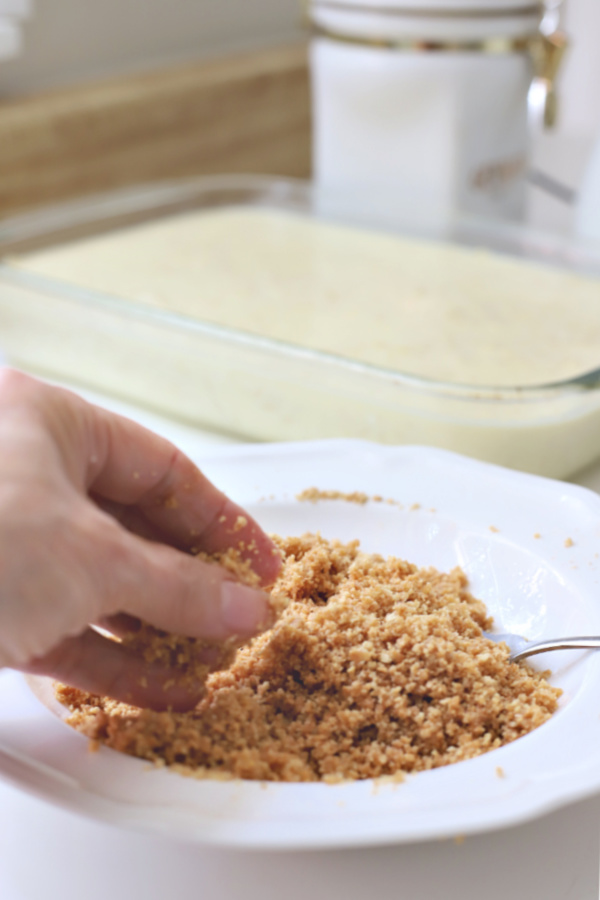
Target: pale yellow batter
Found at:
x=428, y=309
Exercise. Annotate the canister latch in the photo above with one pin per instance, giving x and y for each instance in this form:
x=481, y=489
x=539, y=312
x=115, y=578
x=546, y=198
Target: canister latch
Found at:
x=547, y=51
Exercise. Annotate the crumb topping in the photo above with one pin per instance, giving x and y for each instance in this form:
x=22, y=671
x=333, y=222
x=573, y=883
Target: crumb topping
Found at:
x=313, y=495
x=376, y=668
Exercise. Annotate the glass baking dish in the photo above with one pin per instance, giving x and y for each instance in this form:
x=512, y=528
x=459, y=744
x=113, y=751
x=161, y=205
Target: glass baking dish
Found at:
x=261, y=388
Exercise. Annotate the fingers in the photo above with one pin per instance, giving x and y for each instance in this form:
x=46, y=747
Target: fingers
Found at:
x=119, y=461
x=154, y=489
x=134, y=520
x=169, y=589
x=179, y=593
x=154, y=483
x=102, y=666
x=64, y=569
x=70, y=563
x=233, y=527
x=120, y=624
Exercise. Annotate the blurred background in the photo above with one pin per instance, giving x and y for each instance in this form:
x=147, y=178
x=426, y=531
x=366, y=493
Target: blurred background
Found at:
x=66, y=42
x=62, y=45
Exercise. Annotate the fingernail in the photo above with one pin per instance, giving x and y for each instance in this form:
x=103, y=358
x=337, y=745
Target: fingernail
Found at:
x=244, y=610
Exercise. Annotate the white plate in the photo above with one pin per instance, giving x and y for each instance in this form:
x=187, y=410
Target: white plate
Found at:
x=478, y=516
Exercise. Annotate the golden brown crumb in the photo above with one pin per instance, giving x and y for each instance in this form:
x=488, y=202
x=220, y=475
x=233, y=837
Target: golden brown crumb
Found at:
x=459, y=839
x=240, y=523
x=171, y=502
x=500, y=772
x=415, y=506
x=376, y=668
x=537, y=535
x=494, y=529
x=313, y=495
x=569, y=542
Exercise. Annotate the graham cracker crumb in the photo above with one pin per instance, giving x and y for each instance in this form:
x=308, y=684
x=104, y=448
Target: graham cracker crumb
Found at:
x=375, y=668
x=537, y=536
x=500, y=772
x=313, y=495
x=569, y=542
x=240, y=523
x=494, y=529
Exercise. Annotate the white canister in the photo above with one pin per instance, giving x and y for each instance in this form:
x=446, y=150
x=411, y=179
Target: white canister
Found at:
x=426, y=99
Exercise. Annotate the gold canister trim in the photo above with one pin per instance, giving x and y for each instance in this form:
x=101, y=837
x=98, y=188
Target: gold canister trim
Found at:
x=492, y=45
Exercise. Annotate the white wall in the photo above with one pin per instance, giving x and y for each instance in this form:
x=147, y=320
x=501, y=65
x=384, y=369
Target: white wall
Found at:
x=66, y=41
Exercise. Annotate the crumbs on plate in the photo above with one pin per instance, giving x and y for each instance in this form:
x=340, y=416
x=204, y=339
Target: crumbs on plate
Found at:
x=374, y=668
x=315, y=495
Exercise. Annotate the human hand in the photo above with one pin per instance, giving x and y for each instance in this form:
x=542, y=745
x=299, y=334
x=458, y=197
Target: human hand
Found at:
x=96, y=516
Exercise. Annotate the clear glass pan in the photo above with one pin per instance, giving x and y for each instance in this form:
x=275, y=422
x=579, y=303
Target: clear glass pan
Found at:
x=260, y=388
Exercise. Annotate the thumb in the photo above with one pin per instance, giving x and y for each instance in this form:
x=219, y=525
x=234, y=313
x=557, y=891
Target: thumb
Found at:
x=179, y=593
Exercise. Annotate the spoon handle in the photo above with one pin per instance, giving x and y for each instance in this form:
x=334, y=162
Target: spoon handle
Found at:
x=570, y=643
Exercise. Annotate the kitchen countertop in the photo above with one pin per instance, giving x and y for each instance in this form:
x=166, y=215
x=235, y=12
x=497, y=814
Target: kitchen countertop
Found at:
x=46, y=852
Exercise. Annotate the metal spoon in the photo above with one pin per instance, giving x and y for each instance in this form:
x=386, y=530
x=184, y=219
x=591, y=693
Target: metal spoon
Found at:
x=520, y=647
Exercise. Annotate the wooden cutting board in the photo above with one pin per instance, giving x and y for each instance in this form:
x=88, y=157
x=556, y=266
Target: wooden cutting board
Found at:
x=249, y=113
